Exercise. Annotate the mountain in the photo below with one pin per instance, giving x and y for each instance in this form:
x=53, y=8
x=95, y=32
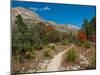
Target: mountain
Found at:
x=30, y=17
x=67, y=28
x=64, y=27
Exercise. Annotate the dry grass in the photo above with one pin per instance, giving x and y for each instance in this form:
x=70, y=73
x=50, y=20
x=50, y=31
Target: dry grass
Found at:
x=88, y=53
x=33, y=64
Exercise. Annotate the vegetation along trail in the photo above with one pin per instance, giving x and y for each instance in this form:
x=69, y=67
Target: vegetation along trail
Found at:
x=56, y=61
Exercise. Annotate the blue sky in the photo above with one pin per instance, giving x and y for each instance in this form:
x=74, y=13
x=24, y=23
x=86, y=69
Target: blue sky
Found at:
x=60, y=13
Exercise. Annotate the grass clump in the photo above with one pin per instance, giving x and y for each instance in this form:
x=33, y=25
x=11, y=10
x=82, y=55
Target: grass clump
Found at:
x=71, y=55
x=30, y=55
x=47, y=52
x=51, y=46
x=65, y=42
x=88, y=44
x=79, y=43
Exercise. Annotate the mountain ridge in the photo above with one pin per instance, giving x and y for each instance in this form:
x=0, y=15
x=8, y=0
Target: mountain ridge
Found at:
x=31, y=17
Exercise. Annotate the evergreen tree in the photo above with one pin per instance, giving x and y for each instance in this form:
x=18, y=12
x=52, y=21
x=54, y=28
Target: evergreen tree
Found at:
x=89, y=27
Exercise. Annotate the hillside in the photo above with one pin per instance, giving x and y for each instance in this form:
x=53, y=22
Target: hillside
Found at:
x=30, y=17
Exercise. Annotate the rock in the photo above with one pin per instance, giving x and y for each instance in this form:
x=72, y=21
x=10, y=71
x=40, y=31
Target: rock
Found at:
x=82, y=58
x=43, y=65
x=76, y=67
x=84, y=62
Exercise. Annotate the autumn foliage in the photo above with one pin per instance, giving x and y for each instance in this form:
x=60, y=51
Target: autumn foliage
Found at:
x=49, y=28
x=82, y=36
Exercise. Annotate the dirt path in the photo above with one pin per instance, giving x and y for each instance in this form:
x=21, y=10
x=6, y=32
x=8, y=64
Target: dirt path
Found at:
x=56, y=61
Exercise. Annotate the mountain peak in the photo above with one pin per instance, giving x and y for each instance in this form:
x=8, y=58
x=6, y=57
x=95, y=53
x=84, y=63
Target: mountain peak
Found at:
x=27, y=14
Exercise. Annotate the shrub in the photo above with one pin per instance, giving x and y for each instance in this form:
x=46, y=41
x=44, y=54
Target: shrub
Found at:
x=82, y=36
x=53, y=36
x=51, y=45
x=79, y=43
x=88, y=44
x=71, y=55
x=30, y=55
x=71, y=37
x=65, y=42
x=38, y=46
x=46, y=52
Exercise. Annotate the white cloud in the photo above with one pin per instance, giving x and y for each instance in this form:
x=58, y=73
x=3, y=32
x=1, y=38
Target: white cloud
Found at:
x=46, y=8
x=33, y=8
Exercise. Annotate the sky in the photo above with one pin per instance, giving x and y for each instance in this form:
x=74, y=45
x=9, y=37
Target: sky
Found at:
x=59, y=13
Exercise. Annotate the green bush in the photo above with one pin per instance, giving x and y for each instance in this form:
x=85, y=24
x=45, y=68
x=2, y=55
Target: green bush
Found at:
x=65, y=42
x=47, y=52
x=88, y=44
x=79, y=43
x=38, y=46
x=71, y=55
x=51, y=45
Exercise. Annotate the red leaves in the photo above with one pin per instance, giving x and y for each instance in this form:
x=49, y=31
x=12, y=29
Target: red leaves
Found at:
x=49, y=28
x=82, y=36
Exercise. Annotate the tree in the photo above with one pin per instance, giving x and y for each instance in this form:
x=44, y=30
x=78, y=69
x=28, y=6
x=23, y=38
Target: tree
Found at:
x=86, y=27
x=82, y=36
x=93, y=21
x=22, y=39
x=89, y=27
x=93, y=24
x=20, y=24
